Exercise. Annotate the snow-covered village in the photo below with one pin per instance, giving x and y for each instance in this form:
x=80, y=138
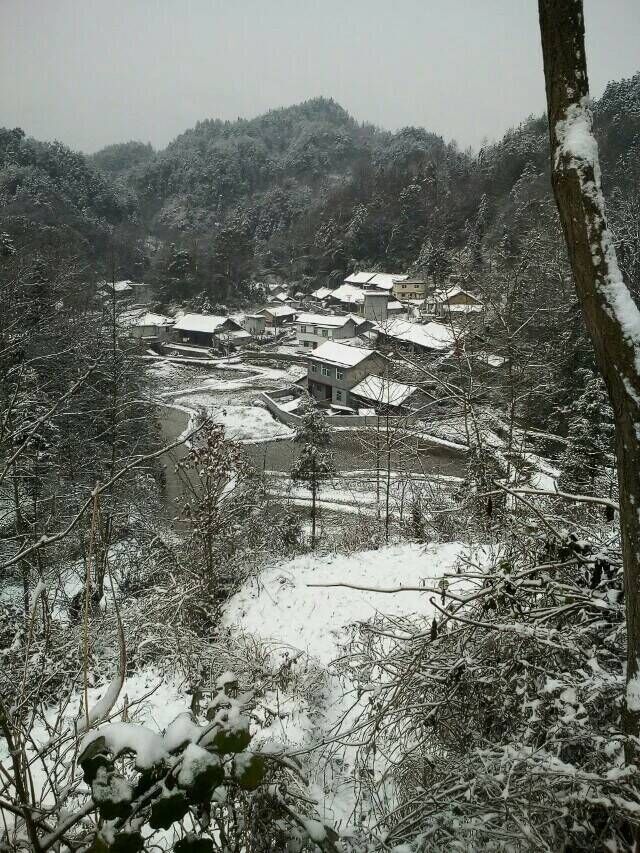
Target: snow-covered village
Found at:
x=319, y=427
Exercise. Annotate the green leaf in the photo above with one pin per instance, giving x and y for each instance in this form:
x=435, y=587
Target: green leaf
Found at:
x=231, y=741
x=91, y=766
x=111, y=794
x=203, y=780
x=93, y=757
x=111, y=811
x=249, y=771
x=167, y=810
x=127, y=842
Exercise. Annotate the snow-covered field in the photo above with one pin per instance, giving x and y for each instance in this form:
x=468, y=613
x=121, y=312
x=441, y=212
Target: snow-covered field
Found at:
x=227, y=401
x=285, y=608
x=244, y=423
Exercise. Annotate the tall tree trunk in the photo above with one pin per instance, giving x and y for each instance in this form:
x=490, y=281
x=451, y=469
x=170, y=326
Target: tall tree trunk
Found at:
x=611, y=317
x=313, y=512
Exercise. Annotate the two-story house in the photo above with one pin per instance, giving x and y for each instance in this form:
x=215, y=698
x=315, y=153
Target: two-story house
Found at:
x=312, y=330
x=373, y=280
x=334, y=368
x=410, y=288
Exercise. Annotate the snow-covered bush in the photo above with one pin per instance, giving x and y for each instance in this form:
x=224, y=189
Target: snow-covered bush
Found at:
x=497, y=725
x=198, y=786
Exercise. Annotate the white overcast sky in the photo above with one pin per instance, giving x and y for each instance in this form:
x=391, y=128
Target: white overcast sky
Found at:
x=92, y=72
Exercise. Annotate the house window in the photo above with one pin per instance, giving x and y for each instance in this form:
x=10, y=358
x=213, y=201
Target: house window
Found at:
x=339, y=374
x=303, y=328
x=325, y=371
x=314, y=368
x=324, y=333
x=339, y=396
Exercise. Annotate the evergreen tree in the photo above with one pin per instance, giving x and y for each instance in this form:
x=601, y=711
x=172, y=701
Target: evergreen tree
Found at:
x=315, y=463
x=591, y=432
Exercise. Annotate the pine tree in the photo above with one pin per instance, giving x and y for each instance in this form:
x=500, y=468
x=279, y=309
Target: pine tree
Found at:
x=315, y=463
x=591, y=432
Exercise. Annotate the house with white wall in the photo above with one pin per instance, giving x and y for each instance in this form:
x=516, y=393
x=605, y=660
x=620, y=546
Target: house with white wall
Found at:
x=333, y=369
x=312, y=330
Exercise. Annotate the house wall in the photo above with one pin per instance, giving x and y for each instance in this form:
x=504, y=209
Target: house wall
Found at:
x=271, y=402
x=339, y=387
x=277, y=322
x=313, y=335
x=160, y=332
x=199, y=339
x=409, y=290
x=254, y=325
x=462, y=299
x=376, y=306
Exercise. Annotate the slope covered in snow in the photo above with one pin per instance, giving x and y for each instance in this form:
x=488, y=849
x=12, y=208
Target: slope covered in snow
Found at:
x=316, y=620
x=303, y=628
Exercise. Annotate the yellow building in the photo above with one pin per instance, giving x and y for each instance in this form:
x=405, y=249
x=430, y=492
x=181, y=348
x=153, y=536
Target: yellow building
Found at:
x=410, y=288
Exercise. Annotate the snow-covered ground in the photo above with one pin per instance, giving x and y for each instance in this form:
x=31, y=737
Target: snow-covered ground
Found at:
x=227, y=401
x=243, y=423
x=356, y=492
x=303, y=628
x=285, y=608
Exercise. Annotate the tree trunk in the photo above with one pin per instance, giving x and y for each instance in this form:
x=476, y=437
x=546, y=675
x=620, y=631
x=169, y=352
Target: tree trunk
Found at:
x=611, y=317
x=313, y=513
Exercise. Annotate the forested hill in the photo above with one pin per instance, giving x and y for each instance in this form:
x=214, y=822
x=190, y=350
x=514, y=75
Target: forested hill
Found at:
x=304, y=192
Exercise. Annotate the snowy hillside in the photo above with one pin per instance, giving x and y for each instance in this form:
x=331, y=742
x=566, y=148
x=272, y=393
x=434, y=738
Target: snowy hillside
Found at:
x=283, y=607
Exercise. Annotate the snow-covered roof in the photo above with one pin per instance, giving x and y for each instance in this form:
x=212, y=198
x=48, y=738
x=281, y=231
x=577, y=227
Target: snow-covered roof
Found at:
x=124, y=286
x=456, y=290
x=332, y=352
x=150, y=319
x=394, y=305
x=433, y=336
x=349, y=294
x=209, y=323
x=330, y=320
x=358, y=277
x=385, y=280
x=279, y=311
x=383, y=391
x=282, y=297
x=322, y=292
